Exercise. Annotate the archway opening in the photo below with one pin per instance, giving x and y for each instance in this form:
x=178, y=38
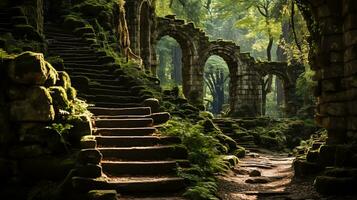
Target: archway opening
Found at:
x=169, y=57
x=217, y=83
x=145, y=38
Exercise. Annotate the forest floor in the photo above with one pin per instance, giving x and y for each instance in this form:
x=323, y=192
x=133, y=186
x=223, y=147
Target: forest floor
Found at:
x=274, y=180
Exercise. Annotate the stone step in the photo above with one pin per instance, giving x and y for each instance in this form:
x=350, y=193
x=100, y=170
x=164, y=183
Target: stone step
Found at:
x=76, y=59
x=109, y=82
x=120, y=111
x=156, y=168
x=124, y=123
x=85, y=51
x=93, y=76
x=135, y=141
x=116, y=105
x=64, y=39
x=110, y=87
x=159, y=118
x=83, y=70
x=132, y=185
x=5, y=24
x=111, y=98
x=143, y=153
x=93, y=91
x=71, y=54
x=86, y=66
x=141, y=131
x=4, y=30
x=77, y=42
x=56, y=33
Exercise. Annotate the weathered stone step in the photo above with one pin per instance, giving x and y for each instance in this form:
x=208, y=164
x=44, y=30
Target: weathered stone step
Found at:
x=71, y=54
x=124, y=123
x=111, y=98
x=57, y=33
x=135, y=141
x=117, y=168
x=83, y=70
x=94, y=91
x=93, y=76
x=76, y=59
x=109, y=82
x=137, y=131
x=72, y=43
x=85, y=51
x=4, y=30
x=86, y=66
x=132, y=185
x=110, y=87
x=144, y=153
x=159, y=118
x=115, y=105
x=63, y=39
x=120, y=111
x=4, y=24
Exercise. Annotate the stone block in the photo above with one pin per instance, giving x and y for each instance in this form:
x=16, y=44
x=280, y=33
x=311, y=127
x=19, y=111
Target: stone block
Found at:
x=327, y=155
x=89, y=171
x=102, y=195
x=36, y=107
x=29, y=68
x=89, y=156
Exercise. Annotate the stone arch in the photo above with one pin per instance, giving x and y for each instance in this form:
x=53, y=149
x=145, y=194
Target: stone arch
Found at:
x=283, y=72
x=181, y=32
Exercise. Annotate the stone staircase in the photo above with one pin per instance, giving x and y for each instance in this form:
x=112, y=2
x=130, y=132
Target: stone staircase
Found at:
x=227, y=127
x=134, y=158
x=5, y=21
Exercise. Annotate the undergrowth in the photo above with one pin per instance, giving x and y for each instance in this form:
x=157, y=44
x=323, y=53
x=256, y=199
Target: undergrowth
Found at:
x=205, y=155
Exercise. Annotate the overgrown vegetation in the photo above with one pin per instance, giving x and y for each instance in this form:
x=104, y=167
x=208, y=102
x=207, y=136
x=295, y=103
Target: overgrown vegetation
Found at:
x=206, y=154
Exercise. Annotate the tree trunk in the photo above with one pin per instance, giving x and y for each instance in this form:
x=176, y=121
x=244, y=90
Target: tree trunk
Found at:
x=177, y=64
x=162, y=66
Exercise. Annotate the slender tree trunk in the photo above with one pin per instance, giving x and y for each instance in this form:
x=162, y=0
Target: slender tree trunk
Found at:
x=177, y=64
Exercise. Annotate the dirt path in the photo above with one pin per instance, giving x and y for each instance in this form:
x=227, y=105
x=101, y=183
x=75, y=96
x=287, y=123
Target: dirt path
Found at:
x=276, y=181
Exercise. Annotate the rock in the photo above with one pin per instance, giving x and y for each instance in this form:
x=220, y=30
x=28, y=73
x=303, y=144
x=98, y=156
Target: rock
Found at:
x=71, y=93
x=59, y=97
x=331, y=185
x=153, y=104
x=240, y=152
x=106, y=59
x=89, y=171
x=63, y=80
x=24, y=31
x=232, y=160
x=87, y=184
x=102, y=195
x=160, y=118
x=255, y=173
x=89, y=156
x=82, y=126
x=312, y=156
x=304, y=168
x=29, y=151
x=52, y=75
x=29, y=68
x=80, y=82
x=259, y=180
x=37, y=107
x=327, y=155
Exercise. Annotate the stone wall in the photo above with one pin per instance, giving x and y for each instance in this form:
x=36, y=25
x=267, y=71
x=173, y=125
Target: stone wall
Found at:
x=35, y=104
x=334, y=59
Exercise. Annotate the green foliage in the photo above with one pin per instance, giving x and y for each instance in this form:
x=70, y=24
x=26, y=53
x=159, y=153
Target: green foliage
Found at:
x=204, y=154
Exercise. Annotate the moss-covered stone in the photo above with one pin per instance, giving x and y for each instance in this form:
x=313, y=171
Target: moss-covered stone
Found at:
x=71, y=93
x=28, y=68
x=72, y=22
x=25, y=31
x=18, y=20
x=63, y=80
x=52, y=75
x=56, y=62
x=83, y=30
x=37, y=107
x=59, y=97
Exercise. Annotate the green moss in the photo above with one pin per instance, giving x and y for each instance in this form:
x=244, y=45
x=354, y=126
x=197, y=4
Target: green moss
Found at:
x=59, y=97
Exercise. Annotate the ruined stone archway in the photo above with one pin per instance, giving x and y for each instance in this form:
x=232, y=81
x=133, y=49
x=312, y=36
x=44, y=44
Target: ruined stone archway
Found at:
x=181, y=32
x=244, y=97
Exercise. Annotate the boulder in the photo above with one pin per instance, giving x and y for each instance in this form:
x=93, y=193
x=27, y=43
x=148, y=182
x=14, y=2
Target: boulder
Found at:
x=160, y=118
x=255, y=173
x=89, y=156
x=37, y=107
x=59, y=97
x=153, y=103
x=89, y=171
x=31, y=69
x=63, y=80
x=52, y=75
